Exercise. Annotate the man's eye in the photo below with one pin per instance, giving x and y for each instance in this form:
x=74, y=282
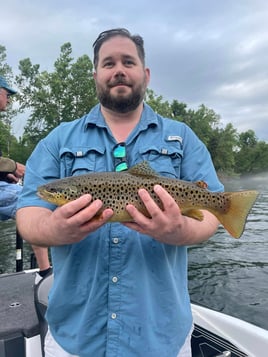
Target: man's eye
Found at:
x=108, y=64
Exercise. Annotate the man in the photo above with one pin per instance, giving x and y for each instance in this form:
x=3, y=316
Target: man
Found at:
x=119, y=290
x=10, y=171
x=10, y=174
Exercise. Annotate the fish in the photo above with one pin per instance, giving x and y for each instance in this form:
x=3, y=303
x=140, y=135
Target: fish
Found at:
x=117, y=189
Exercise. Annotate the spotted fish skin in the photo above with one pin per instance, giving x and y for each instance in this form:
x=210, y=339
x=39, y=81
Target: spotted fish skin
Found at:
x=117, y=189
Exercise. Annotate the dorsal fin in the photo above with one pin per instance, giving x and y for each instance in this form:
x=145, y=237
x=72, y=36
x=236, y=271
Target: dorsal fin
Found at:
x=201, y=184
x=142, y=169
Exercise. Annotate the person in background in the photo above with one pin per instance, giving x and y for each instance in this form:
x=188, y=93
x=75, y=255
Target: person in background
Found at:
x=119, y=289
x=10, y=174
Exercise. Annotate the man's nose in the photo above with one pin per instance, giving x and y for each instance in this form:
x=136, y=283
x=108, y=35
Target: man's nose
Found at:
x=119, y=70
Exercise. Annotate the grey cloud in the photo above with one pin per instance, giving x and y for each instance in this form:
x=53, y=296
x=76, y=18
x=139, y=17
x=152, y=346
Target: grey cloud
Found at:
x=200, y=52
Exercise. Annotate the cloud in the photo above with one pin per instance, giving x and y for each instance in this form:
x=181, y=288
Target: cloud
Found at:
x=200, y=52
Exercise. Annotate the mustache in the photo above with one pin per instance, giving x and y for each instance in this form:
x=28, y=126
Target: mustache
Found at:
x=118, y=81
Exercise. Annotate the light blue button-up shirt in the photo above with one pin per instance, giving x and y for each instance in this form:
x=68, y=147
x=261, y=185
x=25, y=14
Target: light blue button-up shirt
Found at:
x=118, y=292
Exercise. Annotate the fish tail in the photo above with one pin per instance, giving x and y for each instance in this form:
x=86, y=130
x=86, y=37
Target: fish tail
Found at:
x=235, y=217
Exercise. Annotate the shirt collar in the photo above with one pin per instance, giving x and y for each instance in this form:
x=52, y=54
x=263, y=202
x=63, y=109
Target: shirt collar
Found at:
x=95, y=118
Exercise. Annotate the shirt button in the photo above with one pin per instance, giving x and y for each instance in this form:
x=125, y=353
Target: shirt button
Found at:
x=113, y=316
x=115, y=240
x=114, y=279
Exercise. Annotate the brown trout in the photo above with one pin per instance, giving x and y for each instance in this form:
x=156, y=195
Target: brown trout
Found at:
x=117, y=189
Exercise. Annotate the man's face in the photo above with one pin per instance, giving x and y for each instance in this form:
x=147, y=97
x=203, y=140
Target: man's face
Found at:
x=4, y=99
x=121, y=79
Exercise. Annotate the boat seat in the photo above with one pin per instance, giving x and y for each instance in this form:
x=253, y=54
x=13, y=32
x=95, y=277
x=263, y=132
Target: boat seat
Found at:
x=18, y=318
x=41, y=301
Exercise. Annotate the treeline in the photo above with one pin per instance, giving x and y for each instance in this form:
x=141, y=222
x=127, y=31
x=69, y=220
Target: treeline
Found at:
x=68, y=92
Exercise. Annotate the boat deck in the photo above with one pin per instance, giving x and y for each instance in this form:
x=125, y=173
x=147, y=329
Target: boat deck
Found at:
x=17, y=312
x=19, y=324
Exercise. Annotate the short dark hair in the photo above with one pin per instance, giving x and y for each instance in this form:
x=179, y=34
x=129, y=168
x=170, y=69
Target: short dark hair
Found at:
x=106, y=35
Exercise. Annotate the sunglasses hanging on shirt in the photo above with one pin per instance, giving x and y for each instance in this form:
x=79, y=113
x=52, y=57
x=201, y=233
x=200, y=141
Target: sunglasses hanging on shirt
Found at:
x=120, y=157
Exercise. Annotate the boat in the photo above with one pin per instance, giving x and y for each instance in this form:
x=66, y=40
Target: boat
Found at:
x=23, y=325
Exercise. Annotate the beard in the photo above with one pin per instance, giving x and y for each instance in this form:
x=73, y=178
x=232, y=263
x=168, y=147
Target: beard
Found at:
x=121, y=103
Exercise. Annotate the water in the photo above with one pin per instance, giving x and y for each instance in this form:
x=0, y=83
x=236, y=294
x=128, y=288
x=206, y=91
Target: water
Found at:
x=225, y=274
x=230, y=275
x=8, y=248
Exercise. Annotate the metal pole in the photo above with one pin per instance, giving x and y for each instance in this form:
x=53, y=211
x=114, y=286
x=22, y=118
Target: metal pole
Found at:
x=19, y=252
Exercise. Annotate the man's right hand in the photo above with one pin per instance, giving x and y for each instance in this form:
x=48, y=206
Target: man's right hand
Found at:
x=67, y=224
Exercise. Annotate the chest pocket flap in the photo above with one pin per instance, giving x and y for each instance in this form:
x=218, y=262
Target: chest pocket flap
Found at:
x=165, y=158
x=80, y=160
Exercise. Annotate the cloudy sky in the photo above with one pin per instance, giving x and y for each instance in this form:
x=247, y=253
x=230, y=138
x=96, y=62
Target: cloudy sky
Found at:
x=207, y=52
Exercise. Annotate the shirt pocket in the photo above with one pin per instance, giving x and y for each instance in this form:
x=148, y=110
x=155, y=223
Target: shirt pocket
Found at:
x=165, y=159
x=81, y=160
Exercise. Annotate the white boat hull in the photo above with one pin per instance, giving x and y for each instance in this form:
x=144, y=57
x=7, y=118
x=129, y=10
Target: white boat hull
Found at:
x=250, y=339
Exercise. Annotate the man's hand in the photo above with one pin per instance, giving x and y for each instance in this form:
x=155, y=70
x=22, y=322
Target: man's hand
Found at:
x=17, y=174
x=20, y=170
x=68, y=224
x=169, y=225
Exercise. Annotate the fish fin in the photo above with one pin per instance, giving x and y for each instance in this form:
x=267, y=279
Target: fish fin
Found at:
x=142, y=169
x=201, y=184
x=235, y=217
x=193, y=213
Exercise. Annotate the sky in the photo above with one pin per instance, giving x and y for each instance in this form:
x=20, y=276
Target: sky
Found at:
x=207, y=52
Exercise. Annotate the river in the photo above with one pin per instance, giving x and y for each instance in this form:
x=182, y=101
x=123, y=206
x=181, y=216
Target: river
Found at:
x=231, y=275
x=226, y=274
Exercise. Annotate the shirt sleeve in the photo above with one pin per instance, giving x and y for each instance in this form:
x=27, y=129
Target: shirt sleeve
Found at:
x=197, y=163
x=41, y=167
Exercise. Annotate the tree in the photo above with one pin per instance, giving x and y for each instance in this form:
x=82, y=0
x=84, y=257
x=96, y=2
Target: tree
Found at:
x=7, y=140
x=252, y=155
x=68, y=92
x=261, y=157
x=179, y=111
x=245, y=156
x=62, y=95
x=202, y=122
x=222, y=146
x=158, y=104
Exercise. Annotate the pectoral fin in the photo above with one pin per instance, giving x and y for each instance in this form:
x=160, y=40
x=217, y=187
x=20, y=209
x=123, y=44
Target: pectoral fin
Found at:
x=193, y=213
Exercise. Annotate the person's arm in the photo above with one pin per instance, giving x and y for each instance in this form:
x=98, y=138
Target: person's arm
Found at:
x=66, y=225
x=169, y=225
x=42, y=258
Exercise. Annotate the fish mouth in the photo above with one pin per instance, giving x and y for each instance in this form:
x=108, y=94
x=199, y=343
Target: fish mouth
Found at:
x=40, y=194
x=45, y=194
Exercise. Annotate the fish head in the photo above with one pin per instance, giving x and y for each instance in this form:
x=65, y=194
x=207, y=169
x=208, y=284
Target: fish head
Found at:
x=57, y=194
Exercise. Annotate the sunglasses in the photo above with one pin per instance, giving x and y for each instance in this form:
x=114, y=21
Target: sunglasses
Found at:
x=120, y=157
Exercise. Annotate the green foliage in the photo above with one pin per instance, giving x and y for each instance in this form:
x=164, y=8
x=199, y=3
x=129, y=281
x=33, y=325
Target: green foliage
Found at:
x=156, y=102
x=68, y=92
x=62, y=95
x=7, y=140
x=5, y=69
x=232, y=153
x=252, y=155
x=202, y=122
x=222, y=144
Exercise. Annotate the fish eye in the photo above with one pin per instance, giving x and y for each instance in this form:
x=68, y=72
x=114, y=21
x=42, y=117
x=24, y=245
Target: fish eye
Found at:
x=52, y=189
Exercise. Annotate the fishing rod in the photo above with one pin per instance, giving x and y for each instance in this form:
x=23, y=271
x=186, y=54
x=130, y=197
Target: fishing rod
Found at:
x=19, y=252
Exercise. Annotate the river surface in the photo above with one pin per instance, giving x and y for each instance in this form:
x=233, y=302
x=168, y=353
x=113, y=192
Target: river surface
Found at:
x=225, y=274
x=231, y=275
